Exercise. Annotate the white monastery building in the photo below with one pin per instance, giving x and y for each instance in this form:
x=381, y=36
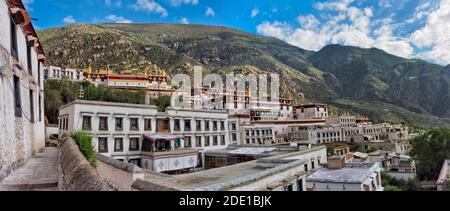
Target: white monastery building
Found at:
x=22, y=132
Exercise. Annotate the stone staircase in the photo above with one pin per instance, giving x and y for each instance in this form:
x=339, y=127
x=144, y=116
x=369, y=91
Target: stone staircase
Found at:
x=40, y=173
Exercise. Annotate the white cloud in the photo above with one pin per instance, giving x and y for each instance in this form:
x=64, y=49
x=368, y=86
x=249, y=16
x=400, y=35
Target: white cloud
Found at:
x=422, y=11
x=276, y=29
x=184, y=20
x=255, y=12
x=177, y=3
x=308, y=21
x=435, y=35
x=118, y=19
x=340, y=5
x=116, y=3
x=150, y=6
x=385, y=3
x=209, y=12
x=69, y=19
x=346, y=24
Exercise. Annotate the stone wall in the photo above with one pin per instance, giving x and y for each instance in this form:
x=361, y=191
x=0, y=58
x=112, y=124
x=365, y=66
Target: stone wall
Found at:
x=119, y=174
x=76, y=174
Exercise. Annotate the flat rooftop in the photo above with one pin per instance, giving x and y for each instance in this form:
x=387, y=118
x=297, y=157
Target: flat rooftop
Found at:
x=224, y=178
x=356, y=174
x=257, y=151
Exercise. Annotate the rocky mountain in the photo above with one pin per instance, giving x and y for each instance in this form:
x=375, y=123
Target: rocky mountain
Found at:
x=415, y=91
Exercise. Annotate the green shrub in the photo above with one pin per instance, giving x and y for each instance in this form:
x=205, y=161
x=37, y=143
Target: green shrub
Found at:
x=84, y=142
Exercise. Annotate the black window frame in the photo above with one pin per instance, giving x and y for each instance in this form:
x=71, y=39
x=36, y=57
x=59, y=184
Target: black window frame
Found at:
x=198, y=141
x=222, y=125
x=137, y=148
x=188, y=142
x=207, y=141
x=29, y=59
x=198, y=125
x=39, y=73
x=132, y=121
x=121, y=144
x=147, y=124
x=40, y=108
x=215, y=140
x=13, y=35
x=188, y=126
x=103, y=120
x=90, y=123
x=176, y=125
x=207, y=126
x=17, y=97
x=100, y=140
x=222, y=140
x=121, y=123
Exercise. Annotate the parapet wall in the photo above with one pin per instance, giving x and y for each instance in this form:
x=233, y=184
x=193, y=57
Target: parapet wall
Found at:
x=119, y=174
x=76, y=174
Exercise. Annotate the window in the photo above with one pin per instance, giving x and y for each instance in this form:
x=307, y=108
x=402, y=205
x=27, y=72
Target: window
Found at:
x=17, y=97
x=222, y=126
x=31, y=106
x=300, y=185
x=187, y=142
x=176, y=125
x=148, y=124
x=103, y=145
x=187, y=125
x=207, y=141
x=86, y=123
x=234, y=137
x=14, y=51
x=134, y=124
x=39, y=73
x=198, y=125
x=119, y=124
x=289, y=188
x=103, y=124
x=134, y=144
x=198, y=141
x=215, y=141
x=118, y=145
x=29, y=65
x=222, y=140
x=40, y=109
x=61, y=124
x=207, y=128
x=233, y=126
x=177, y=143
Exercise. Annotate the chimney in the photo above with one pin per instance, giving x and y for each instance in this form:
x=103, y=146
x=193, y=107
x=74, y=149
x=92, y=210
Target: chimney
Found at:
x=336, y=162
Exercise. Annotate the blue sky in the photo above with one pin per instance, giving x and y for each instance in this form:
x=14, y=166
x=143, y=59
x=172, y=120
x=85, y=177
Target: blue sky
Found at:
x=407, y=28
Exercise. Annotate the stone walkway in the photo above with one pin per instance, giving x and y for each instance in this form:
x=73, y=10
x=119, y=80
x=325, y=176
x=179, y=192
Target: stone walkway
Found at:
x=40, y=173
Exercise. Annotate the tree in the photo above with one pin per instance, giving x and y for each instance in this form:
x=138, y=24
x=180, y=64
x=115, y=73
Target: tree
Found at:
x=62, y=92
x=430, y=150
x=161, y=102
x=391, y=188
